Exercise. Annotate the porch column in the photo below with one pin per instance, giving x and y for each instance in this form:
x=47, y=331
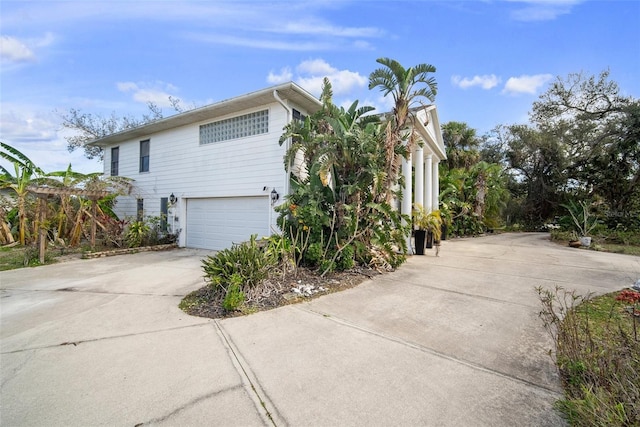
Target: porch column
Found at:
x=428, y=188
x=419, y=165
x=436, y=185
x=406, y=195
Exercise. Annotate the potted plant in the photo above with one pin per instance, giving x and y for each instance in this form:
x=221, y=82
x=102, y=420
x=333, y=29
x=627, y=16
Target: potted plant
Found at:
x=574, y=242
x=583, y=220
x=434, y=228
x=420, y=225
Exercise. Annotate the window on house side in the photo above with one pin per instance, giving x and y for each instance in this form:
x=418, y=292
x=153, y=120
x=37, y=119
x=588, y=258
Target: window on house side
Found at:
x=236, y=127
x=297, y=115
x=115, y=157
x=144, y=156
x=140, y=210
x=164, y=213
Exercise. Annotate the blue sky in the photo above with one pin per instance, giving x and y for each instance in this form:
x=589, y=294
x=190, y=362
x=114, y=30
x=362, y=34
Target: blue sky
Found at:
x=493, y=58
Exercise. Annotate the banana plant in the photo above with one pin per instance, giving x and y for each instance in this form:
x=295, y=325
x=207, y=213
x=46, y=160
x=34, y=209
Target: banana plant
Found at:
x=68, y=179
x=26, y=173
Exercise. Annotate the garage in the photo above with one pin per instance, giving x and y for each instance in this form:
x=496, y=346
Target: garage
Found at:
x=217, y=223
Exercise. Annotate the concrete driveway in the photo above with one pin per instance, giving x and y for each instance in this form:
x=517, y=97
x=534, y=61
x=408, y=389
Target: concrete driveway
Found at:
x=446, y=341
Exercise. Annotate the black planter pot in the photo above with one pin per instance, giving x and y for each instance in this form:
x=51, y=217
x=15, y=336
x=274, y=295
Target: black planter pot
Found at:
x=443, y=233
x=419, y=237
x=429, y=241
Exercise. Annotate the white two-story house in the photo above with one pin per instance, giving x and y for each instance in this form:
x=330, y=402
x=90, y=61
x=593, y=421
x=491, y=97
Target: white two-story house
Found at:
x=216, y=172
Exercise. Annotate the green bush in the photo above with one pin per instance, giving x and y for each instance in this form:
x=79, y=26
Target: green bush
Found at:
x=234, y=297
x=598, y=355
x=563, y=235
x=619, y=236
x=313, y=256
x=136, y=234
x=327, y=266
x=32, y=256
x=249, y=260
x=346, y=258
x=284, y=252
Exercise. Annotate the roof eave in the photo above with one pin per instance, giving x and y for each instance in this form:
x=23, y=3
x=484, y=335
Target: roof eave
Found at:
x=289, y=91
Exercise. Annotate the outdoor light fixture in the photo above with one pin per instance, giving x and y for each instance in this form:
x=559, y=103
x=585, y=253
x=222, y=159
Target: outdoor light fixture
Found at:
x=274, y=196
x=172, y=198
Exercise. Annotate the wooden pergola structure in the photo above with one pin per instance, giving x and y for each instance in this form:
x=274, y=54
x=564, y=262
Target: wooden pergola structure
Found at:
x=43, y=193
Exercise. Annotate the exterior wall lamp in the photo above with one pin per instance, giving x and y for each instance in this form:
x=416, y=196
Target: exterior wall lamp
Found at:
x=172, y=199
x=274, y=196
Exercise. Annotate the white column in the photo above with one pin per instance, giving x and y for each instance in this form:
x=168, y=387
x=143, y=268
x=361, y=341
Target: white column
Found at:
x=419, y=165
x=436, y=185
x=406, y=194
x=428, y=186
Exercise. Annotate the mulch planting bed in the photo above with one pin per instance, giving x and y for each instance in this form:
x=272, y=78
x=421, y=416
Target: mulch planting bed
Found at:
x=280, y=290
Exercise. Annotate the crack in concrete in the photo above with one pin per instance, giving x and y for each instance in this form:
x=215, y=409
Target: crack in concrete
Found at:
x=258, y=392
x=543, y=279
x=435, y=288
x=188, y=405
x=90, y=340
x=89, y=291
x=556, y=393
x=530, y=262
x=14, y=372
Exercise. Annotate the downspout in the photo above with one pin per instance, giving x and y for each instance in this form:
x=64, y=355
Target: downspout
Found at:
x=288, y=143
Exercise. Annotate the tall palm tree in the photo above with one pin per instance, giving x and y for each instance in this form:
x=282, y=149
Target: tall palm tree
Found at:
x=26, y=173
x=462, y=144
x=402, y=83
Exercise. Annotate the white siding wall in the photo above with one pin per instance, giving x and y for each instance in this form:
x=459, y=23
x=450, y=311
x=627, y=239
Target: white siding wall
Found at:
x=180, y=165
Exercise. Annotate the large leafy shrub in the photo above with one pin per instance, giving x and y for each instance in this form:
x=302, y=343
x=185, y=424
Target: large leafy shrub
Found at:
x=238, y=270
x=473, y=198
x=339, y=200
x=136, y=234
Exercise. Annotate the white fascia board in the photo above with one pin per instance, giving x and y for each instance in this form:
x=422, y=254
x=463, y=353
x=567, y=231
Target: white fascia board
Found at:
x=427, y=124
x=289, y=91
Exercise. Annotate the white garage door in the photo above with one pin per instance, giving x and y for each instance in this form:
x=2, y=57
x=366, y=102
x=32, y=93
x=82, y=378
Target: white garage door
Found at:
x=217, y=223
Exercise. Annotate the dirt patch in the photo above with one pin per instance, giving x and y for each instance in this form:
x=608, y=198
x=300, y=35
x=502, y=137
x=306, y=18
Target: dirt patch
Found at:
x=277, y=291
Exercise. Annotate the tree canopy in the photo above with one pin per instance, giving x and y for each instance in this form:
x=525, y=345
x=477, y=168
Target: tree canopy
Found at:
x=87, y=127
x=582, y=142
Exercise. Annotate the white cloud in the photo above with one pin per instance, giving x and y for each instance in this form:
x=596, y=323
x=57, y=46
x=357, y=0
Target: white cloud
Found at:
x=43, y=41
x=487, y=81
x=15, y=51
x=157, y=92
x=347, y=85
x=362, y=45
x=260, y=42
x=126, y=86
x=285, y=76
x=542, y=10
x=25, y=125
x=35, y=131
x=282, y=26
x=526, y=84
x=317, y=27
x=382, y=104
x=311, y=74
x=315, y=67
